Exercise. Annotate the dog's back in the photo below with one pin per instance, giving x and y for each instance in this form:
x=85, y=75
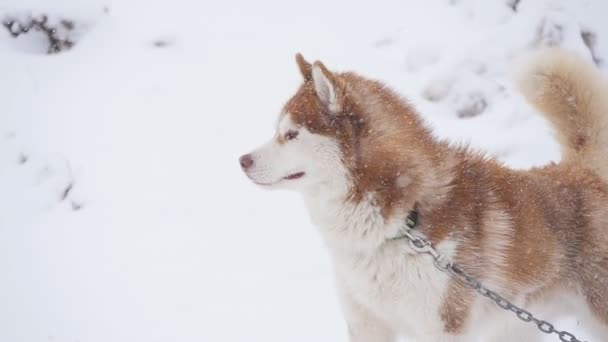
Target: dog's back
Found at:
x=573, y=96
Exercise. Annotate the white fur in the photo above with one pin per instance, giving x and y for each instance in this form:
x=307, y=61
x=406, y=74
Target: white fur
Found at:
x=385, y=289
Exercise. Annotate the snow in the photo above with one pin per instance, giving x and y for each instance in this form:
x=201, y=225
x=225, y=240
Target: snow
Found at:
x=123, y=213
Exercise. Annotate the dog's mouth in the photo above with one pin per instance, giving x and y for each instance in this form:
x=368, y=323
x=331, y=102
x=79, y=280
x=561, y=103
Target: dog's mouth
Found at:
x=292, y=176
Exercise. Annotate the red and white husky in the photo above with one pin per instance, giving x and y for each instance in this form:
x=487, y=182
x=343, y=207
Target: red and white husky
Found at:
x=363, y=159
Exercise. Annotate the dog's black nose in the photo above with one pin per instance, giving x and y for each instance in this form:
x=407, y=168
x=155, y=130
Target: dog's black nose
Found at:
x=246, y=161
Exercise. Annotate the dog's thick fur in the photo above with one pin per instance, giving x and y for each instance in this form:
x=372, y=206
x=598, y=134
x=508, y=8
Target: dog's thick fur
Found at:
x=363, y=159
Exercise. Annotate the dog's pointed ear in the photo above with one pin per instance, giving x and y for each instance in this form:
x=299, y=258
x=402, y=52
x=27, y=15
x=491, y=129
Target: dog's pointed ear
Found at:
x=305, y=67
x=326, y=87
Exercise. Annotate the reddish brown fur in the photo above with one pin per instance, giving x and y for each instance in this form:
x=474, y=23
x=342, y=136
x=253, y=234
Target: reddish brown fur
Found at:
x=557, y=214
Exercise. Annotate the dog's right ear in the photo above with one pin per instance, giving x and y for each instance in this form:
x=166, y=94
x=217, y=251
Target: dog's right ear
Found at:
x=305, y=67
x=327, y=88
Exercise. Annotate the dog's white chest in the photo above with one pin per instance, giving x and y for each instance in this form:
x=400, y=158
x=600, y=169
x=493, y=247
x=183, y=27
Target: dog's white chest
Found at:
x=404, y=290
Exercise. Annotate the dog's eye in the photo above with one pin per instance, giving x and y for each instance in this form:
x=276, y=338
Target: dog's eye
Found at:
x=290, y=135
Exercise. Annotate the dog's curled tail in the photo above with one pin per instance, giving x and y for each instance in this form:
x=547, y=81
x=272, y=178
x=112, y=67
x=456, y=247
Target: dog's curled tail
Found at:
x=572, y=94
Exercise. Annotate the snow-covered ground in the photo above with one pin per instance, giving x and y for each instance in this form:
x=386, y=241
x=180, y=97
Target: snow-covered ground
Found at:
x=123, y=213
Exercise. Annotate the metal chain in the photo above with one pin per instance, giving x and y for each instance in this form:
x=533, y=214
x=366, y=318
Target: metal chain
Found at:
x=423, y=246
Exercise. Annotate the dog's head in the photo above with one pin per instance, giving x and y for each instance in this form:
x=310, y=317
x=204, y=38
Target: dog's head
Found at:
x=346, y=134
x=304, y=151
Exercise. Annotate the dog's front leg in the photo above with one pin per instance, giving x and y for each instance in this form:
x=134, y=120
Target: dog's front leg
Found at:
x=364, y=326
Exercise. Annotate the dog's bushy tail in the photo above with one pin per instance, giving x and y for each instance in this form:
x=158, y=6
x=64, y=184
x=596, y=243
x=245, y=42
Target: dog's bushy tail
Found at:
x=572, y=94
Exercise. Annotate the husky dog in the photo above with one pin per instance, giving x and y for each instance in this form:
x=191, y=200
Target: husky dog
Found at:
x=363, y=160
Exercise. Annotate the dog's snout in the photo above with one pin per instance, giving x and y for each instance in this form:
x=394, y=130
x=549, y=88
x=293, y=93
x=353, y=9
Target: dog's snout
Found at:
x=246, y=161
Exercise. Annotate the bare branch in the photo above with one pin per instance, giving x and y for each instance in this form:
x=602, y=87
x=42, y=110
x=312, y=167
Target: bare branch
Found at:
x=56, y=43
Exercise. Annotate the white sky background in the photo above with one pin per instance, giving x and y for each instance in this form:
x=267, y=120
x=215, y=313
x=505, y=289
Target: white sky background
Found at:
x=172, y=242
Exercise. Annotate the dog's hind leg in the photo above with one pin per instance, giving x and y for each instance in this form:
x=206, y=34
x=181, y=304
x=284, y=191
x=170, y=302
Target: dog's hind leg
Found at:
x=596, y=321
x=596, y=328
x=594, y=284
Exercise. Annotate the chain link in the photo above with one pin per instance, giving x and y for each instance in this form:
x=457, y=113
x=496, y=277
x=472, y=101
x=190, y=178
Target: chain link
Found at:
x=423, y=246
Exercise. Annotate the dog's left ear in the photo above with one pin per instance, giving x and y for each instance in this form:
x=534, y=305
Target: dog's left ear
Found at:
x=305, y=67
x=327, y=87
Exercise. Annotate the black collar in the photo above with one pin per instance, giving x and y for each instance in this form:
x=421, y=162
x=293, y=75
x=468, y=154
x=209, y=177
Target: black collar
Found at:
x=410, y=223
x=412, y=219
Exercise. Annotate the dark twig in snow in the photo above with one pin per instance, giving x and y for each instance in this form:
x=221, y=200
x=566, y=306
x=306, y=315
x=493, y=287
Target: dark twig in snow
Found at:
x=56, y=43
x=590, y=40
x=66, y=191
x=76, y=206
x=513, y=4
x=161, y=43
x=22, y=159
